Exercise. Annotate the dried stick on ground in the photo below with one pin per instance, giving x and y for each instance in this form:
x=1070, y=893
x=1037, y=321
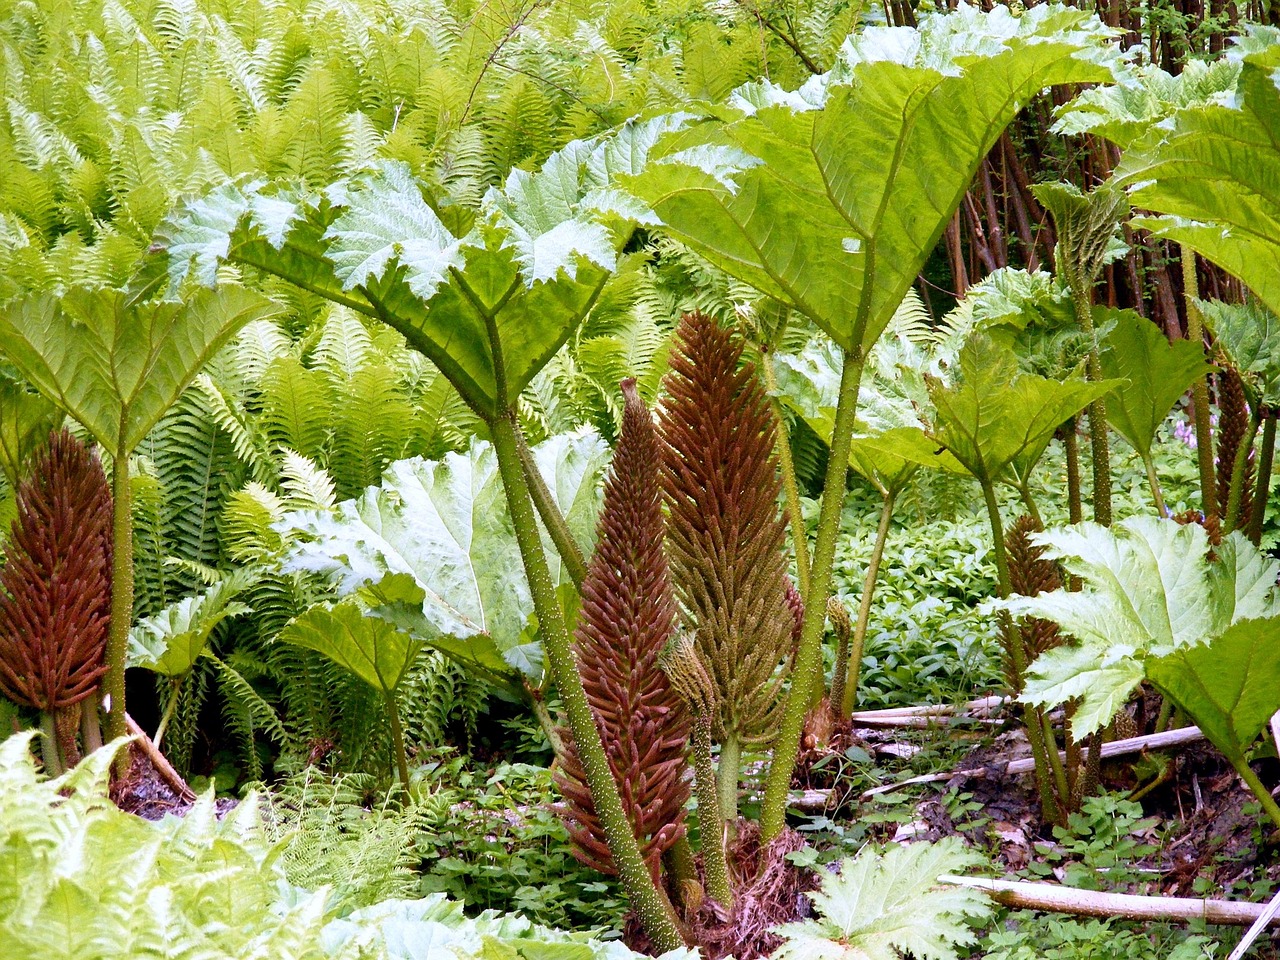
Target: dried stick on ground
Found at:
x=1026, y=895
x=163, y=767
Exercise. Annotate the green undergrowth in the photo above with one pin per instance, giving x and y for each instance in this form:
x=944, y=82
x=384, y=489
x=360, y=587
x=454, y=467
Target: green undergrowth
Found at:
x=926, y=640
x=79, y=878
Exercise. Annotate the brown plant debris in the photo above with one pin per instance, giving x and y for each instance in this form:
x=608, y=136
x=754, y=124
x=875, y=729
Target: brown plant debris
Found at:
x=628, y=615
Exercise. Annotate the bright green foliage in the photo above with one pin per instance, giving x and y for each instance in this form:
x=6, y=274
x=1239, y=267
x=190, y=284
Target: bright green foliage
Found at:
x=115, y=364
x=1249, y=336
x=1125, y=111
x=1150, y=592
x=888, y=906
x=82, y=879
x=1216, y=177
x=1150, y=374
x=26, y=419
x=1229, y=686
x=829, y=198
x=170, y=642
x=372, y=649
x=890, y=443
x=995, y=417
x=489, y=307
x=445, y=525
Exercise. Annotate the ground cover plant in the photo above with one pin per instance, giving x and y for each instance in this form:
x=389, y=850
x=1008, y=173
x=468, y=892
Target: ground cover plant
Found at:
x=624, y=463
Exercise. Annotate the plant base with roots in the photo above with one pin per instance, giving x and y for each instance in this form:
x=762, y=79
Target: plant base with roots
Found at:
x=768, y=891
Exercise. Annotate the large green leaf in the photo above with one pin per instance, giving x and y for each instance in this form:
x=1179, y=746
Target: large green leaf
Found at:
x=1249, y=335
x=890, y=443
x=886, y=906
x=171, y=641
x=1230, y=686
x=374, y=650
x=26, y=418
x=1149, y=591
x=1124, y=112
x=440, y=533
x=995, y=416
x=830, y=198
x=114, y=364
x=1214, y=171
x=489, y=308
x=1151, y=375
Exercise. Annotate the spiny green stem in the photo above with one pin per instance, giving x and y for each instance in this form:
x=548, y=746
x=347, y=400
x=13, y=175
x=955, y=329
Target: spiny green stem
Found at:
x=121, y=595
x=538, y=705
x=1075, y=510
x=808, y=662
x=1157, y=495
x=849, y=696
x=49, y=751
x=648, y=900
x=1200, y=388
x=728, y=775
x=1055, y=761
x=552, y=518
x=397, y=740
x=1028, y=501
x=1098, y=442
x=710, y=815
x=799, y=539
x=1259, y=790
x=1266, y=456
x=1235, y=497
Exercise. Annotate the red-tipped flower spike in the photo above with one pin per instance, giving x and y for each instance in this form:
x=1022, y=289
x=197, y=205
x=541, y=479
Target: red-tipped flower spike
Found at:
x=55, y=587
x=628, y=614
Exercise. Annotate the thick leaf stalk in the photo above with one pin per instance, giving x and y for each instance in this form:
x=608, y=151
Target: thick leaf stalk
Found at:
x=725, y=535
x=627, y=617
x=648, y=899
x=1200, y=388
x=1236, y=430
x=55, y=587
x=849, y=695
x=1266, y=457
x=808, y=661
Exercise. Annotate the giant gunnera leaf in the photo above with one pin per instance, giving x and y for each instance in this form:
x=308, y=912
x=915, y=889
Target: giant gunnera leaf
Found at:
x=433, y=550
x=889, y=906
x=489, y=307
x=829, y=198
x=1213, y=172
x=1151, y=591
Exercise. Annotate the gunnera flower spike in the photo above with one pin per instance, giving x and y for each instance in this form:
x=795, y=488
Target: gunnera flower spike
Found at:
x=628, y=615
x=55, y=592
x=725, y=534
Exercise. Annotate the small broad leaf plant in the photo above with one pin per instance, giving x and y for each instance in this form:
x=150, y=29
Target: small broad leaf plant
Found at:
x=1160, y=603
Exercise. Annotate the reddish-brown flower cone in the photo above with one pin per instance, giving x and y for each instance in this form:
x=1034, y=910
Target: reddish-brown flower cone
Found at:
x=628, y=614
x=55, y=587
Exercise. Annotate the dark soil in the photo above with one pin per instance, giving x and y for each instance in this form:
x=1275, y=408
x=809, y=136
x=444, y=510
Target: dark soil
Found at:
x=144, y=793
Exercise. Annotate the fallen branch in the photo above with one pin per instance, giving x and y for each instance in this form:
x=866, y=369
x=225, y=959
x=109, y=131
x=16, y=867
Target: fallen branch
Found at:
x=1025, y=894
x=812, y=800
x=163, y=766
x=981, y=707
